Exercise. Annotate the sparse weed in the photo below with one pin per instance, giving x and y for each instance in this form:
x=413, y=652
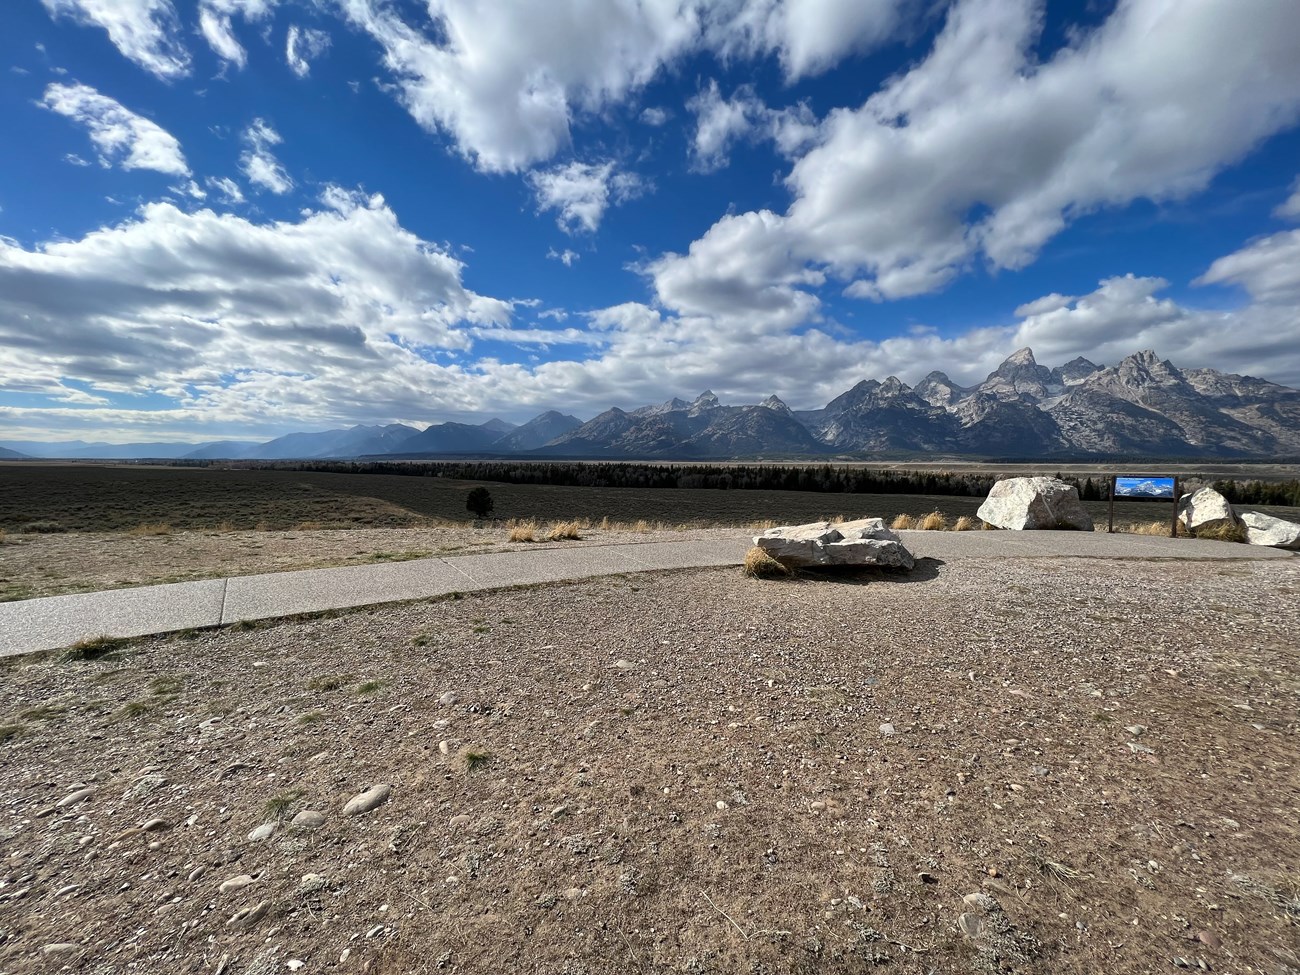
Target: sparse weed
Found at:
x=8, y=731
x=642, y=527
x=43, y=713
x=278, y=807
x=965, y=524
x=328, y=683
x=986, y=527
x=472, y=761
x=1155, y=528
x=161, y=686
x=309, y=526
x=93, y=648
x=150, y=528
x=935, y=521
x=760, y=565
x=369, y=687
x=225, y=527
x=902, y=523
x=42, y=528
x=311, y=717
x=135, y=709
x=262, y=526
x=2, y=536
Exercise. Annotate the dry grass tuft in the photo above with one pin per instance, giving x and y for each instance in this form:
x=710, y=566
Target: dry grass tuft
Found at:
x=523, y=531
x=935, y=521
x=151, y=528
x=1148, y=528
x=760, y=565
x=986, y=527
x=2, y=536
x=564, y=531
x=966, y=524
x=309, y=526
x=902, y=523
x=1222, y=532
x=472, y=760
x=225, y=527
x=762, y=525
x=642, y=527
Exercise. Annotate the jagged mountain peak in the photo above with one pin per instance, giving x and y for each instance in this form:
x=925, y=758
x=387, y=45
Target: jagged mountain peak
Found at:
x=1021, y=357
x=775, y=402
x=707, y=400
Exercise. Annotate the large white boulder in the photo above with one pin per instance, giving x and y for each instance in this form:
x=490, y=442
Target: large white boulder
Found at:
x=1205, y=509
x=850, y=543
x=1262, y=529
x=1035, y=504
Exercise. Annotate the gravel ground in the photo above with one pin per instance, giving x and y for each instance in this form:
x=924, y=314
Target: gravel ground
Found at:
x=33, y=565
x=1011, y=766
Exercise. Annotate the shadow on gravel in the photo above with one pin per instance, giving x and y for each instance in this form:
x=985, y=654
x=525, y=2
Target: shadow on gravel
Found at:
x=926, y=569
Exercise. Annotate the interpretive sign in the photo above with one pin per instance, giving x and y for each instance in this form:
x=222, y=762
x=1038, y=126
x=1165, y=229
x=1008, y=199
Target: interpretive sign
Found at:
x=1144, y=487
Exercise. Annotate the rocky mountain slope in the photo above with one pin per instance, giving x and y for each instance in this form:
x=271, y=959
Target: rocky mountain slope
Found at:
x=1141, y=407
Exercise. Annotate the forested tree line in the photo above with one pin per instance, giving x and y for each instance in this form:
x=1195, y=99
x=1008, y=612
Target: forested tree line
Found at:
x=821, y=478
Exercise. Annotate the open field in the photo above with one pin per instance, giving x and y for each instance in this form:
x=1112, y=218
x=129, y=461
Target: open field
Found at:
x=106, y=498
x=689, y=772
x=75, y=528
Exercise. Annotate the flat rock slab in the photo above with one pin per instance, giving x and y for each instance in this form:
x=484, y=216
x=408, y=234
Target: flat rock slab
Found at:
x=866, y=542
x=1262, y=529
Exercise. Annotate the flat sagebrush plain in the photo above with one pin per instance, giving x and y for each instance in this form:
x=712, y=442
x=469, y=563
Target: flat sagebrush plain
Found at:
x=111, y=498
x=688, y=772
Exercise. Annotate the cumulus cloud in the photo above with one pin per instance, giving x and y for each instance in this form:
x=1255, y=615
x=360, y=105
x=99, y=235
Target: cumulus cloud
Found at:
x=566, y=257
x=655, y=116
x=333, y=316
x=120, y=137
x=145, y=31
x=303, y=45
x=582, y=191
x=257, y=161
x=979, y=152
x=507, y=96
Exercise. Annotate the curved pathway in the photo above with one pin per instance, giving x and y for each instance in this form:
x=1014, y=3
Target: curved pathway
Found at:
x=59, y=621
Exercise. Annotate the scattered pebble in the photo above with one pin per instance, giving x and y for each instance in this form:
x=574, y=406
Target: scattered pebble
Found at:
x=368, y=800
x=263, y=832
x=309, y=819
x=887, y=729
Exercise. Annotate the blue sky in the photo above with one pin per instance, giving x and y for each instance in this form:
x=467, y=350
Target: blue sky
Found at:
x=237, y=218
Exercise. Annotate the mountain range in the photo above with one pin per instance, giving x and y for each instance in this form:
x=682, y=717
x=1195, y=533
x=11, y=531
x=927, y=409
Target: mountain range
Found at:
x=1143, y=406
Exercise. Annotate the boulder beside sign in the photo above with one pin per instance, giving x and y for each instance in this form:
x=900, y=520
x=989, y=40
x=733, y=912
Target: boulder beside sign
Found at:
x=1035, y=504
x=851, y=543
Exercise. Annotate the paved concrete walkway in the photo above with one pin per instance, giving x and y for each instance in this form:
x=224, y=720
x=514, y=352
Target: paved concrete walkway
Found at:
x=60, y=621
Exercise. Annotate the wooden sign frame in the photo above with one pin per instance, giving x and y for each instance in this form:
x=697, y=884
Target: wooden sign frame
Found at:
x=1114, y=481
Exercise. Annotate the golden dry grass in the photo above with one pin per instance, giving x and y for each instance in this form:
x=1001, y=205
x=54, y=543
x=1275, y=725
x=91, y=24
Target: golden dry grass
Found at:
x=1221, y=532
x=309, y=526
x=760, y=565
x=902, y=522
x=2, y=536
x=565, y=531
x=151, y=528
x=986, y=527
x=935, y=521
x=522, y=531
x=762, y=524
x=966, y=524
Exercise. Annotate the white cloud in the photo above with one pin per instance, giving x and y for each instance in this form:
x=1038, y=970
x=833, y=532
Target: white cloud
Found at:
x=721, y=122
x=120, y=136
x=1290, y=208
x=1268, y=268
x=304, y=45
x=980, y=152
x=244, y=324
x=582, y=191
x=566, y=257
x=506, y=86
x=655, y=116
x=228, y=188
x=257, y=161
x=145, y=31
x=215, y=18
x=808, y=36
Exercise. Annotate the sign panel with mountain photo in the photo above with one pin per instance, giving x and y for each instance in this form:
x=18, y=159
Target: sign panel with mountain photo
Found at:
x=1140, y=488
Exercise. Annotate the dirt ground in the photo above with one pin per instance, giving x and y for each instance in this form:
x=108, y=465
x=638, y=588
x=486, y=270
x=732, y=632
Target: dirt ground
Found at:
x=1007, y=766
